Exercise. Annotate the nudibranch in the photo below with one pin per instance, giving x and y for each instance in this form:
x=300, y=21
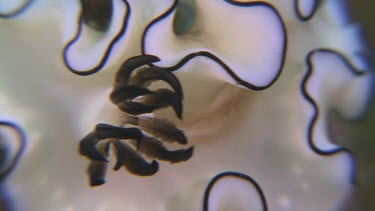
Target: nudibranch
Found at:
x=247, y=86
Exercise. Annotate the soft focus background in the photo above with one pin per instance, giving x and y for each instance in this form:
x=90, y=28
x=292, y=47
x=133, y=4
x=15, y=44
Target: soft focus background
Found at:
x=362, y=140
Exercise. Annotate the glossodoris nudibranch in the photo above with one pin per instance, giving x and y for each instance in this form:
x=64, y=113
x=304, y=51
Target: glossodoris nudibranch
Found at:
x=246, y=86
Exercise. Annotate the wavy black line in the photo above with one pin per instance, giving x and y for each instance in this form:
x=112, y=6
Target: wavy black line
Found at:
x=107, y=51
x=215, y=58
x=316, y=112
x=22, y=145
x=237, y=175
x=20, y=9
x=307, y=17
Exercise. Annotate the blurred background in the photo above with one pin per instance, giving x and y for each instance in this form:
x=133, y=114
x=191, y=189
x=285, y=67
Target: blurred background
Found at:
x=362, y=134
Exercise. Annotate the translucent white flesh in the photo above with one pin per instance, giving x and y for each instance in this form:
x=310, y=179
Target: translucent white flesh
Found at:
x=260, y=133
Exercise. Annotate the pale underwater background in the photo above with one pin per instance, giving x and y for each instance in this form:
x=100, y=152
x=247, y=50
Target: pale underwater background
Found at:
x=362, y=132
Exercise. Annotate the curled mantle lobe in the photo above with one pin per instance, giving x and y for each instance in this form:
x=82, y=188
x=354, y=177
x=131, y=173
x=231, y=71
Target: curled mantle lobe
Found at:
x=10, y=9
x=250, y=46
x=91, y=43
x=266, y=148
x=305, y=9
